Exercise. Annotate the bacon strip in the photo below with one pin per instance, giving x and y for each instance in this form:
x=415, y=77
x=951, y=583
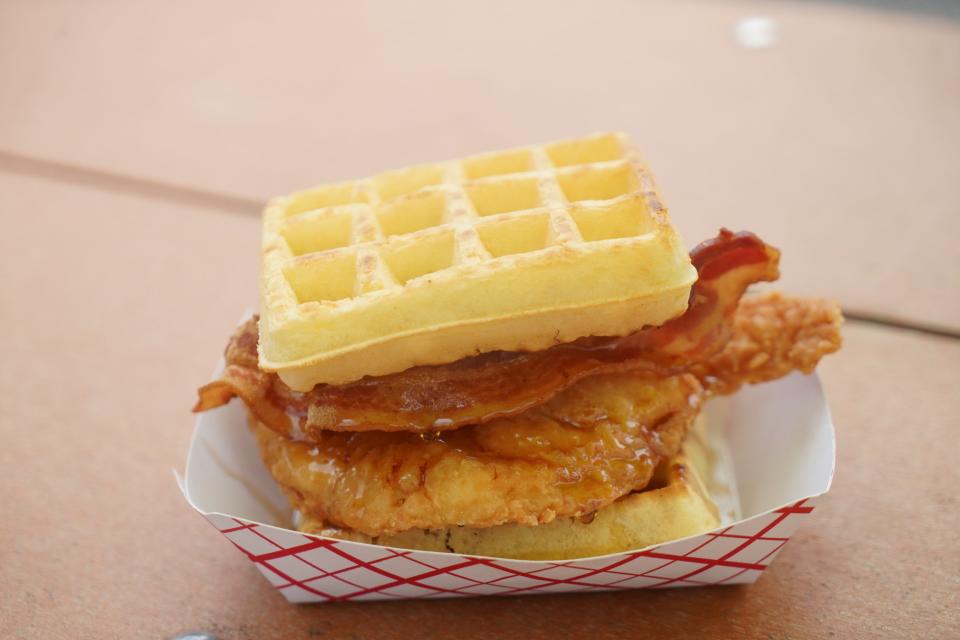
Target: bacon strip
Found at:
x=478, y=389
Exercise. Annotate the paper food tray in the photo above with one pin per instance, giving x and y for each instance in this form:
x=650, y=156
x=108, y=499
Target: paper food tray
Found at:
x=778, y=436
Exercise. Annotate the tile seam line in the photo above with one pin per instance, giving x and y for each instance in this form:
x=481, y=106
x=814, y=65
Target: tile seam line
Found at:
x=21, y=164
x=881, y=320
x=25, y=165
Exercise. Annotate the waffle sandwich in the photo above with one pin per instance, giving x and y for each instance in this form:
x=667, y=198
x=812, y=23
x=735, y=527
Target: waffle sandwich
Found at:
x=504, y=353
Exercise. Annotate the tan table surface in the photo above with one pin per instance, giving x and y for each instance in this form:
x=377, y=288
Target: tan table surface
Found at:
x=841, y=143
x=117, y=293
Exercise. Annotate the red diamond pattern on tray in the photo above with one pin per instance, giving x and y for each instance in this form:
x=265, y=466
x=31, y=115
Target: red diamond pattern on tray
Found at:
x=310, y=569
x=482, y=573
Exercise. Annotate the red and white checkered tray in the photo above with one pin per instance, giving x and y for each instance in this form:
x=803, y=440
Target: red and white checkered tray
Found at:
x=781, y=443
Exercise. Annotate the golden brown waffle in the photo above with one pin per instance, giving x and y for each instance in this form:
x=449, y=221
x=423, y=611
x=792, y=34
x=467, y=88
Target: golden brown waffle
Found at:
x=512, y=250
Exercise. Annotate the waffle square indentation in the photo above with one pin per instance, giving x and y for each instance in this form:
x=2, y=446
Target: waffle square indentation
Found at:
x=598, y=183
x=585, y=150
x=515, y=235
x=623, y=217
x=497, y=164
x=408, y=259
x=412, y=212
x=323, y=277
x=490, y=197
x=318, y=230
x=325, y=196
x=391, y=184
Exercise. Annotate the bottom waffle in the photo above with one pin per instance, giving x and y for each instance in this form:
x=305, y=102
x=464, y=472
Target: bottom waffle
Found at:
x=676, y=504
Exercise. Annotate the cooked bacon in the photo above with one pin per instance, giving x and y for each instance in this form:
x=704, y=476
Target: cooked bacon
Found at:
x=480, y=388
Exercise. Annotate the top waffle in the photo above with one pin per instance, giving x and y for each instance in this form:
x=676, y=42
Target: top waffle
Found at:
x=512, y=250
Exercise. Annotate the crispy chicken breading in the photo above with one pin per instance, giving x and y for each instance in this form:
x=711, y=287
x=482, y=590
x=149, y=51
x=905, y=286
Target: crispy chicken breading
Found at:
x=772, y=336
x=589, y=445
